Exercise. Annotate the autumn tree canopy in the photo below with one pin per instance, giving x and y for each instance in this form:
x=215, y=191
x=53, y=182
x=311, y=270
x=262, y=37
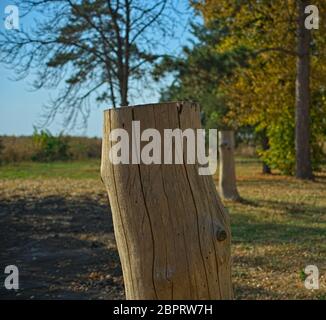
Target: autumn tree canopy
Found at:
x=282, y=84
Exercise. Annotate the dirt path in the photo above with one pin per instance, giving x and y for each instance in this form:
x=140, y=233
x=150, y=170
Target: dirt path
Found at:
x=59, y=234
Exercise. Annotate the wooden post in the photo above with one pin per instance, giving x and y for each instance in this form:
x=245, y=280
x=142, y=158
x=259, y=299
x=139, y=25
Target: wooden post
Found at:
x=172, y=232
x=227, y=178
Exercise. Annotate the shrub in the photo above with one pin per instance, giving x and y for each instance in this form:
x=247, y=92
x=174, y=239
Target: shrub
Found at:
x=49, y=147
x=281, y=154
x=84, y=148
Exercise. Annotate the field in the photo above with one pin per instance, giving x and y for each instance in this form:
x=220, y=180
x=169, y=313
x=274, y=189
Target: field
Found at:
x=56, y=227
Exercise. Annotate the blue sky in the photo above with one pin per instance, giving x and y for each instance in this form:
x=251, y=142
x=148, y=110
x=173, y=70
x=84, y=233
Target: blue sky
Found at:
x=21, y=107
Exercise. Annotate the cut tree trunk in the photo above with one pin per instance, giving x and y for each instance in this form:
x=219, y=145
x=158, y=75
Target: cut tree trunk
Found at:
x=172, y=231
x=227, y=179
x=302, y=128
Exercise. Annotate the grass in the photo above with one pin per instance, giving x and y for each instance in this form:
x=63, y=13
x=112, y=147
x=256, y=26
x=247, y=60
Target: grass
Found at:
x=278, y=229
x=88, y=169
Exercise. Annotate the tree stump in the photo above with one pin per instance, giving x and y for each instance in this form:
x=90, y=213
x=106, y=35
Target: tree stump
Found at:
x=172, y=231
x=227, y=179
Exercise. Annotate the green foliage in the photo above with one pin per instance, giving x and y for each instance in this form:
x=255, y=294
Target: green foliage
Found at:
x=302, y=275
x=199, y=71
x=281, y=134
x=49, y=147
x=318, y=127
x=281, y=152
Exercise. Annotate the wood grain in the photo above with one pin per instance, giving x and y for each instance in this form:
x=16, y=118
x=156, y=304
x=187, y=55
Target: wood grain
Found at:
x=167, y=218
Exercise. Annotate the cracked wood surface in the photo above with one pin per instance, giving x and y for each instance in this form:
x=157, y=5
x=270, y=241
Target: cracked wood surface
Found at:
x=166, y=217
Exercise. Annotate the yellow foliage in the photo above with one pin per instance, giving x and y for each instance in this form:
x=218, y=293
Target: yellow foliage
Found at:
x=261, y=93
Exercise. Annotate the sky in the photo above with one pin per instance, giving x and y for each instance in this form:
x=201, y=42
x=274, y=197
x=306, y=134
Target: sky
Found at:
x=21, y=107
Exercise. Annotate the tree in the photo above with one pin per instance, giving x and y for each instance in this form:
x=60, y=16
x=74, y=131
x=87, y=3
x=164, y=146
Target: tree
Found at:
x=197, y=75
x=302, y=96
x=274, y=32
x=87, y=48
x=198, y=71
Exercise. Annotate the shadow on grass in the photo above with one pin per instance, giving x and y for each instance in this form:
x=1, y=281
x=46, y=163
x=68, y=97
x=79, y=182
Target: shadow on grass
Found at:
x=290, y=209
x=293, y=221
x=301, y=210
x=64, y=248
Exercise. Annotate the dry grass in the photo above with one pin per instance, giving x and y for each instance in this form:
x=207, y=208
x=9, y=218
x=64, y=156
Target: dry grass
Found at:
x=278, y=229
x=18, y=149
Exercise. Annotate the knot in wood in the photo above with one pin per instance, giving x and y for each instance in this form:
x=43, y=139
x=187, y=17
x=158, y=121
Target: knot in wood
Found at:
x=221, y=234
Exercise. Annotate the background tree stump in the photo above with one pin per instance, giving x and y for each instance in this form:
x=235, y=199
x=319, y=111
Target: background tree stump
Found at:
x=227, y=179
x=172, y=232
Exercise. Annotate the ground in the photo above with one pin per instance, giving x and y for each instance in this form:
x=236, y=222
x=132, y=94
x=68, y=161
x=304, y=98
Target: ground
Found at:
x=55, y=225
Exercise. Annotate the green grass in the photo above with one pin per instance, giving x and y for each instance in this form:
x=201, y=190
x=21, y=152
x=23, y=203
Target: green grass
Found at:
x=87, y=169
x=33, y=170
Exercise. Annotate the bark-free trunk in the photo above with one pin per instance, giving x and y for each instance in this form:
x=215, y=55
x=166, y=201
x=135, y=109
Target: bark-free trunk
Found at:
x=302, y=129
x=227, y=179
x=172, y=232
